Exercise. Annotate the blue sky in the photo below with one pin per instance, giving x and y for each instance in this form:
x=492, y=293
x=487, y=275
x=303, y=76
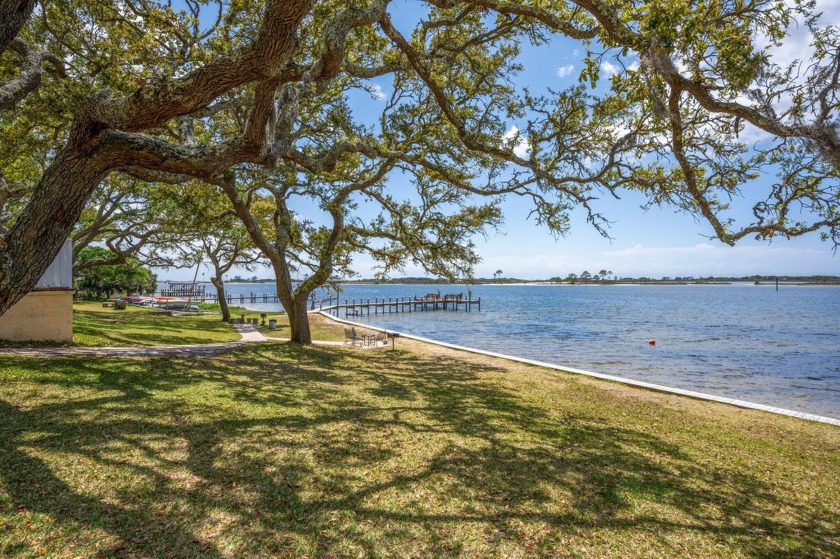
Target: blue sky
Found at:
x=658, y=242
x=655, y=243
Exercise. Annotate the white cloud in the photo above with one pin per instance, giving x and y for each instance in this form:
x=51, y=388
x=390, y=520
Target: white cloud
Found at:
x=609, y=68
x=797, y=45
x=751, y=135
x=377, y=92
x=521, y=147
x=564, y=71
x=634, y=67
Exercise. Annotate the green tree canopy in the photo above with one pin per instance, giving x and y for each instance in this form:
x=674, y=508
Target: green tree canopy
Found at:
x=211, y=234
x=103, y=281
x=258, y=102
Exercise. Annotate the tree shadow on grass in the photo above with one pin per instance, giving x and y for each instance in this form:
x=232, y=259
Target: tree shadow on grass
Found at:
x=31, y=485
x=329, y=452
x=147, y=328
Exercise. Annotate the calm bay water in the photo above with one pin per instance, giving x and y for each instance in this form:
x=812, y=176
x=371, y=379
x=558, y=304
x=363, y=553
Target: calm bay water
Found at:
x=740, y=341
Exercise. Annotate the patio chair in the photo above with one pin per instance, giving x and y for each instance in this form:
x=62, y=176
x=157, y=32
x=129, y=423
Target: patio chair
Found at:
x=351, y=336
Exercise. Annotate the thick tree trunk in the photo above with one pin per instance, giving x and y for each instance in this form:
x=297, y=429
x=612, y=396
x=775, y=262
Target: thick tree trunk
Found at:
x=220, y=294
x=13, y=16
x=39, y=233
x=299, y=321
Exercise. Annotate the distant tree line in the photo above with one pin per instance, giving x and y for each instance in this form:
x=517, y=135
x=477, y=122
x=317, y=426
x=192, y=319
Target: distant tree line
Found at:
x=607, y=276
x=603, y=276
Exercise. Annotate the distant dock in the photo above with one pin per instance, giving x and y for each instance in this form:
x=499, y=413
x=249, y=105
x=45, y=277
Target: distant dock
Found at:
x=350, y=307
x=202, y=297
x=428, y=302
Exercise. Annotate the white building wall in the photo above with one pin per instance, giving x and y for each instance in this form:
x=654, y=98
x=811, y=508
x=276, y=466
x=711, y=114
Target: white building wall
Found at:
x=60, y=272
x=46, y=312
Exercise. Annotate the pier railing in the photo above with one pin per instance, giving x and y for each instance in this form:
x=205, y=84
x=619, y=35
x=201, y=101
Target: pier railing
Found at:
x=361, y=307
x=213, y=298
x=430, y=302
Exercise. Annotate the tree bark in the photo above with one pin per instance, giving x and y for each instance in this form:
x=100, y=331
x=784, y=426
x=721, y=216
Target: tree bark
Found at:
x=36, y=237
x=40, y=231
x=220, y=294
x=13, y=16
x=299, y=320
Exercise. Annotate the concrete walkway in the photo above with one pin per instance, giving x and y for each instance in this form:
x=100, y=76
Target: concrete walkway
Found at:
x=247, y=331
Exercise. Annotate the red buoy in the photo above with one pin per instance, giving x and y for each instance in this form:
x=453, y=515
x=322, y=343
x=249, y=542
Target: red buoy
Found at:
x=652, y=342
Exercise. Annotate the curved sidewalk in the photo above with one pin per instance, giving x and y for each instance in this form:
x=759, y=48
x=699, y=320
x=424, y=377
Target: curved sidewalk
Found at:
x=249, y=335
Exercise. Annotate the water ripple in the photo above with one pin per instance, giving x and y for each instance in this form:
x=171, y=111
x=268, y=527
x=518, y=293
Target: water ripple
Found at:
x=748, y=342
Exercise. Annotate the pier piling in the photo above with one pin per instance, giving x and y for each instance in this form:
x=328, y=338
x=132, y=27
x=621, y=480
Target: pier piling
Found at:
x=400, y=304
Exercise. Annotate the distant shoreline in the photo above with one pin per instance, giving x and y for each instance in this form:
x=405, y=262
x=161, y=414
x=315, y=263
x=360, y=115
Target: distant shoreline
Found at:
x=607, y=284
x=757, y=283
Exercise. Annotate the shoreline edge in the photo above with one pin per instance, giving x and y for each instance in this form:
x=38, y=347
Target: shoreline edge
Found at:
x=631, y=382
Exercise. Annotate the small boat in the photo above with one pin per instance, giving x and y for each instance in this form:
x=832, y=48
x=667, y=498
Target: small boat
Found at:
x=177, y=305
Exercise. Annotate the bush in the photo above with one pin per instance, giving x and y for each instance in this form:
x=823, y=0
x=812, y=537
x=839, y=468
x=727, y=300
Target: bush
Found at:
x=103, y=281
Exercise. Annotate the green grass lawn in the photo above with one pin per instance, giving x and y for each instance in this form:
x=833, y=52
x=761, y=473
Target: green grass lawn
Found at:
x=274, y=450
x=321, y=328
x=98, y=326
x=95, y=326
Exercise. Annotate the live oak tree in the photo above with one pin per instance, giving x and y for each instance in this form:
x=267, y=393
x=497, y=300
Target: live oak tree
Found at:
x=321, y=155
x=136, y=85
x=329, y=176
x=306, y=253
x=162, y=226
x=225, y=245
x=132, y=86
x=132, y=219
x=211, y=234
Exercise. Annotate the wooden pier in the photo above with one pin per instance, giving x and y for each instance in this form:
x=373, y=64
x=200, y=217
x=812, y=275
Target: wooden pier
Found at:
x=431, y=302
x=213, y=298
x=361, y=307
x=185, y=290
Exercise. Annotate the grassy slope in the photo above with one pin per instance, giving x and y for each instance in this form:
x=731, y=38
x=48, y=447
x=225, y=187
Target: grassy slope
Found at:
x=95, y=326
x=277, y=450
x=321, y=328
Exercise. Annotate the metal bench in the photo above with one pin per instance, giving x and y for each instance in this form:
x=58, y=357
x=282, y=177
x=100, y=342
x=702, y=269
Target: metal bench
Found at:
x=351, y=336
